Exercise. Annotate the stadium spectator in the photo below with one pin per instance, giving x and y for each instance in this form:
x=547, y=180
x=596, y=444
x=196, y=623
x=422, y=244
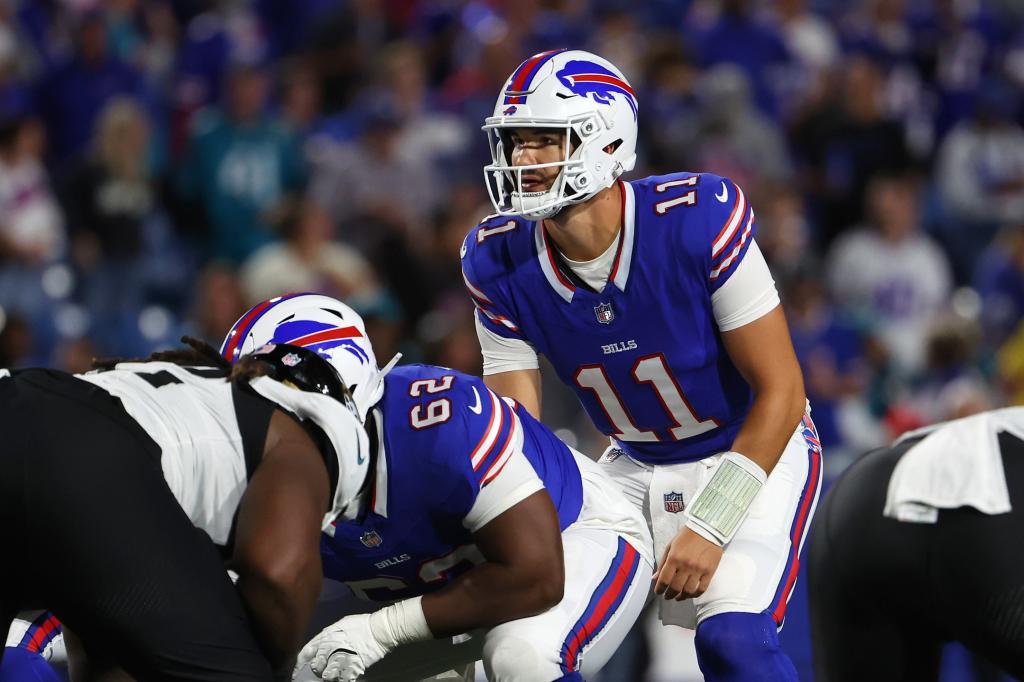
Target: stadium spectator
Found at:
x=670, y=103
x=241, y=164
x=732, y=137
x=218, y=303
x=31, y=223
x=843, y=143
x=833, y=353
x=228, y=33
x=309, y=259
x=784, y=232
x=999, y=279
x=892, y=273
x=733, y=33
x=951, y=385
x=72, y=95
x=373, y=186
x=980, y=175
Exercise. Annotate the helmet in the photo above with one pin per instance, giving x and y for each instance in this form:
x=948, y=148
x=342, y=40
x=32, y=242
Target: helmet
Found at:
x=591, y=101
x=305, y=370
x=318, y=323
x=323, y=399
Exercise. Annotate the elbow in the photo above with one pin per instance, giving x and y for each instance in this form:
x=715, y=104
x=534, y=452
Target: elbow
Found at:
x=547, y=585
x=292, y=579
x=550, y=593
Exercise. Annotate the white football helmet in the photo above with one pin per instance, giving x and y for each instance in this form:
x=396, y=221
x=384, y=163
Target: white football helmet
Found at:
x=319, y=323
x=585, y=97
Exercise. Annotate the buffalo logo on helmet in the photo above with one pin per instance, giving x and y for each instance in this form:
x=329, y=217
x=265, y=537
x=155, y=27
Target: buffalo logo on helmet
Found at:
x=588, y=79
x=321, y=337
x=674, y=503
x=508, y=111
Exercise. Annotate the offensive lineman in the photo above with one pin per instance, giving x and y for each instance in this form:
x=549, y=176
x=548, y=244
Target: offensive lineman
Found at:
x=474, y=518
x=652, y=301
x=143, y=478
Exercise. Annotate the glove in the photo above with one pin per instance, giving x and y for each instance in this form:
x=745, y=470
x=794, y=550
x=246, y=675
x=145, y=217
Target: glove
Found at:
x=343, y=651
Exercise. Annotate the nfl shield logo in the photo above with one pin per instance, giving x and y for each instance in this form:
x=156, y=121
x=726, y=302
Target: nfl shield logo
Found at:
x=673, y=502
x=604, y=313
x=370, y=539
x=291, y=359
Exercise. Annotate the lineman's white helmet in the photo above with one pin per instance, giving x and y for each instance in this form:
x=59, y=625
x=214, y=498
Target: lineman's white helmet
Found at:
x=322, y=324
x=587, y=98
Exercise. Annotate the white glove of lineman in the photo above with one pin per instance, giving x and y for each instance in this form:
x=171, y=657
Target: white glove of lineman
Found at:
x=343, y=651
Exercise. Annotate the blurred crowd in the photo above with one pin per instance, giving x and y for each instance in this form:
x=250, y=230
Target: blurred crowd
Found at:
x=165, y=164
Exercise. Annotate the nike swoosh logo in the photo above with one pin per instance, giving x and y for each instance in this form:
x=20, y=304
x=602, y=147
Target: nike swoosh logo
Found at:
x=478, y=408
x=724, y=196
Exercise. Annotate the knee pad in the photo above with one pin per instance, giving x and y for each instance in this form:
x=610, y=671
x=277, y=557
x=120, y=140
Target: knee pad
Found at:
x=740, y=647
x=514, y=659
x=22, y=665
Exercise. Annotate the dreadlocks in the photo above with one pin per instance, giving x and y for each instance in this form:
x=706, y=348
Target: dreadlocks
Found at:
x=198, y=354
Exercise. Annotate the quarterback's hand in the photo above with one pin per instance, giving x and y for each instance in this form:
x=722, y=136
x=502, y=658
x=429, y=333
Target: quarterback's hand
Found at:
x=343, y=651
x=687, y=566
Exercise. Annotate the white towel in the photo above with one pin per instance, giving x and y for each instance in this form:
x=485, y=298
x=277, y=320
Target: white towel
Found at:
x=957, y=464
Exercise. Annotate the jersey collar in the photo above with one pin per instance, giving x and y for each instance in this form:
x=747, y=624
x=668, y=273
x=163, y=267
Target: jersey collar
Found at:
x=551, y=264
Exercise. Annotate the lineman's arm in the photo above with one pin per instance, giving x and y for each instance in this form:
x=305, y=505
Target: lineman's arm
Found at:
x=277, y=545
x=524, y=572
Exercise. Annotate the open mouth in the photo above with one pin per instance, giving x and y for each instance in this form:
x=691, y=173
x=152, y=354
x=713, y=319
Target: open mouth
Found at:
x=533, y=183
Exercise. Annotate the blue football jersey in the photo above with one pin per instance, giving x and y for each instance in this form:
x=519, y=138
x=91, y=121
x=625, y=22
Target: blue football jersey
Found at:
x=443, y=438
x=644, y=355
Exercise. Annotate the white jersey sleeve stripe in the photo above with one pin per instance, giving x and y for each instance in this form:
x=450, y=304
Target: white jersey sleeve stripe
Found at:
x=739, y=209
x=736, y=251
x=477, y=294
x=515, y=444
x=486, y=443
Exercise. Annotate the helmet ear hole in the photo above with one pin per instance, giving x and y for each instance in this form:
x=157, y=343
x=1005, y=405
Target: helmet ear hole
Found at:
x=610, y=149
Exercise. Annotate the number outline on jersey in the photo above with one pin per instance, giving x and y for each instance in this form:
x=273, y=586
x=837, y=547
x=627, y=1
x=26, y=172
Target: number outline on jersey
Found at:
x=431, y=385
x=159, y=378
x=641, y=435
x=483, y=233
x=699, y=424
x=433, y=418
x=687, y=423
x=391, y=583
x=462, y=553
x=687, y=199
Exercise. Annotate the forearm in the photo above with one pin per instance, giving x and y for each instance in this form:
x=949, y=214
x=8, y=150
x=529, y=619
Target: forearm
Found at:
x=769, y=425
x=523, y=386
x=280, y=614
x=488, y=595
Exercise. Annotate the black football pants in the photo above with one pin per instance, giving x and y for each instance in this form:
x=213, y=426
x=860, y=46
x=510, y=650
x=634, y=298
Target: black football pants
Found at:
x=90, y=530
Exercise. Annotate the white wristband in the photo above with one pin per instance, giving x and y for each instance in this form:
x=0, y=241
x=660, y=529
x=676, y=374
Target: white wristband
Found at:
x=719, y=507
x=400, y=623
